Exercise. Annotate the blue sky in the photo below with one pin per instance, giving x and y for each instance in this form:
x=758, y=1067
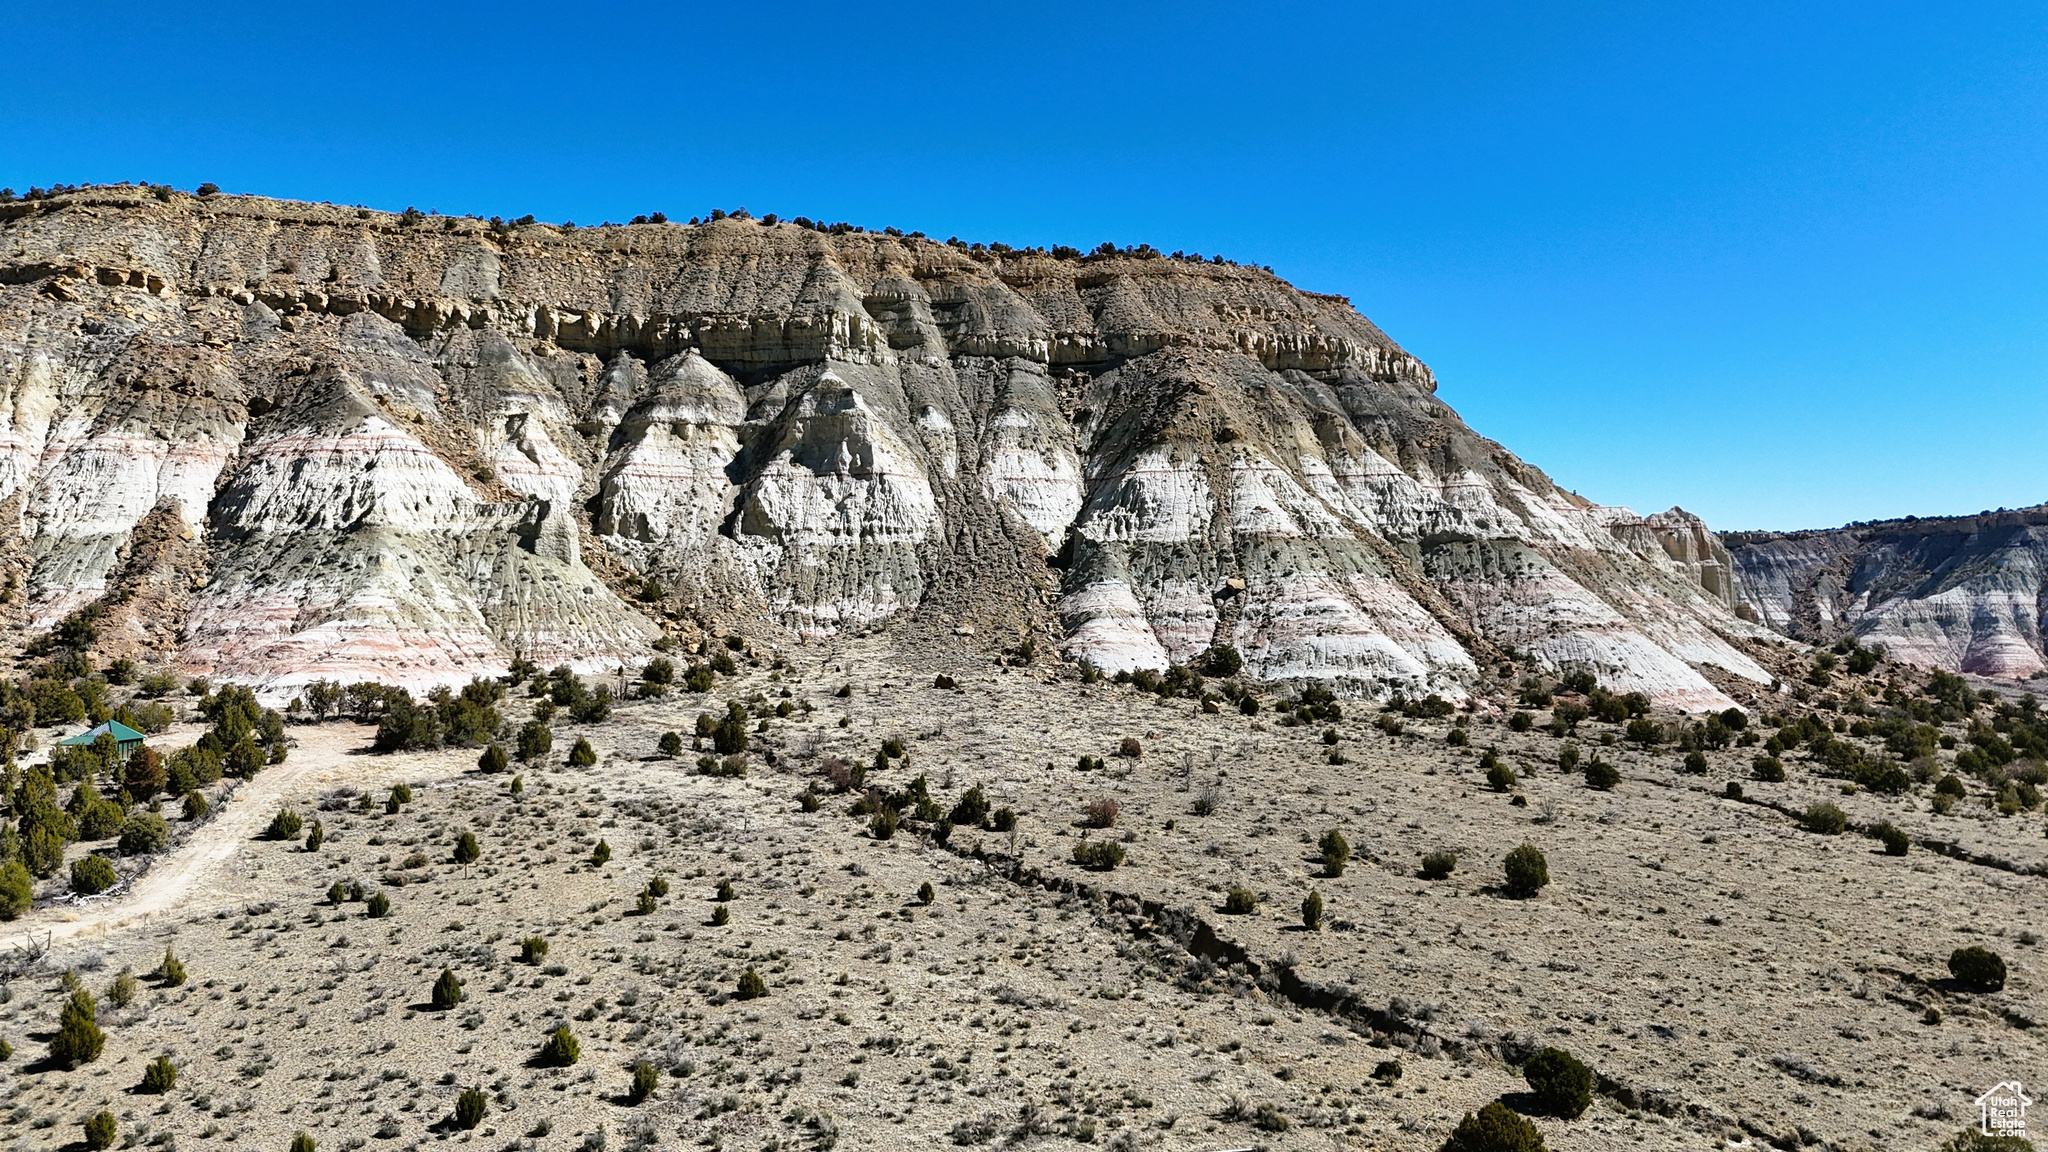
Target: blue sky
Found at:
x=1783, y=264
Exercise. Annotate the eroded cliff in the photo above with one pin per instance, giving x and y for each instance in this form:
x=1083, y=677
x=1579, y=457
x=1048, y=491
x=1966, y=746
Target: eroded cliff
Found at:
x=1962, y=593
x=411, y=447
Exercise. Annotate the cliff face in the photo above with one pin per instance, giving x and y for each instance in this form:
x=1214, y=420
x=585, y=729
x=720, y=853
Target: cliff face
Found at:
x=1963, y=593
x=287, y=440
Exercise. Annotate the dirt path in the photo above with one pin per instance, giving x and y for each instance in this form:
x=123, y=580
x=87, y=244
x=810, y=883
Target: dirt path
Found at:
x=199, y=874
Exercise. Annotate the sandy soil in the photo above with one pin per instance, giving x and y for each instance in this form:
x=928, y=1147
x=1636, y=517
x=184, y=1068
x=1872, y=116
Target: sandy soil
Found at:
x=1733, y=979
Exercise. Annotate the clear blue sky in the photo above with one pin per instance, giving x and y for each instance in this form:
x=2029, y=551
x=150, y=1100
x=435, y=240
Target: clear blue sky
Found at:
x=1783, y=264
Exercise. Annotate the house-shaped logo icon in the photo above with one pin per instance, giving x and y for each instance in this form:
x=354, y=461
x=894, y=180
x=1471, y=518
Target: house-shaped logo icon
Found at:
x=2003, y=1110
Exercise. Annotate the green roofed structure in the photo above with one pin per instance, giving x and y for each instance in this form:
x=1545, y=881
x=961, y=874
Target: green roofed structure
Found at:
x=126, y=739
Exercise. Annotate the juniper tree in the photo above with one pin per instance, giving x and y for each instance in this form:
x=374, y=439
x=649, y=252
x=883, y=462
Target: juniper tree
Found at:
x=447, y=991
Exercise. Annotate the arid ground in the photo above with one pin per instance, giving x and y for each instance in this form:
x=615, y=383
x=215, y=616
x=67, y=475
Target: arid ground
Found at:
x=1733, y=979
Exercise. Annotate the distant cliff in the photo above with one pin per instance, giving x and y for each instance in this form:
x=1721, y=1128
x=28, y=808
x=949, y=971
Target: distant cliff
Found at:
x=1964, y=593
x=274, y=441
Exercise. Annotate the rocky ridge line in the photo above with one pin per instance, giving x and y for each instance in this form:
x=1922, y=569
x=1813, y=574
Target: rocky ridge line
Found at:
x=399, y=446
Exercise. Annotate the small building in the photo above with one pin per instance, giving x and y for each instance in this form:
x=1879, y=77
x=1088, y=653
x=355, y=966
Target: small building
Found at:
x=126, y=739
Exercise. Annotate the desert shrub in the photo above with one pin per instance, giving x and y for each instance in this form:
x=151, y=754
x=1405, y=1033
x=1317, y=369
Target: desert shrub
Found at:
x=671, y=744
x=1220, y=660
x=467, y=850
x=1268, y=1117
x=1696, y=763
x=1098, y=855
x=535, y=740
x=195, y=806
x=99, y=818
x=146, y=773
x=533, y=949
x=303, y=1143
x=1521, y=722
x=751, y=986
x=1567, y=715
x=1768, y=769
x=729, y=736
x=1977, y=967
x=1500, y=777
x=972, y=809
x=721, y=916
x=1240, y=901
x=283, y=826
x=17, y=890
x=1312, y=911
x=78, y=1039
x=724, y=891
x=1644, y=731
x=926, y=894
x=1562, y=1084
x=171, y=970
x=1002, y=820
x=1439, y=865
x=1248, y=705
x=470, y=1108
x=1733, y=790
x=645, y=1079
x=1883, y=777
x=92, y=875
x=602, y=854
x=316, y=836
x=658, y=886
x=493, y=759
x=582, y=755
x=1601, y=776
x=377, y=906
x=560, y=1049
x=159, y=1076
x=883, y=824
x=808, y=801
x=1458, y=738
x=1100, y=813
x=1568, y=757
x=143, y=833
x=1894, y=838
x=447, y=991
x=1526, y=870
x=593, y=708
x=100, y=1131
x=1494, y=1128
x=1335, y=852
x=123, y=990
x=1824, y=818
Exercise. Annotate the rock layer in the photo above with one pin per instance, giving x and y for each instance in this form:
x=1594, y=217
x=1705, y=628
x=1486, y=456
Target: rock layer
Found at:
x=408, y=447
x=1963, y=593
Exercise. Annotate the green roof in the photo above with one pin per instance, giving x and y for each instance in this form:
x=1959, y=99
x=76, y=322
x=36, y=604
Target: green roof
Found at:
x=121, y=733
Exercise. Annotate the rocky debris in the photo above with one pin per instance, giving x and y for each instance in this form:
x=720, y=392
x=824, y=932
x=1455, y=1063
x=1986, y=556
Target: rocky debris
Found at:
x=410, y=447
x=1960, y=593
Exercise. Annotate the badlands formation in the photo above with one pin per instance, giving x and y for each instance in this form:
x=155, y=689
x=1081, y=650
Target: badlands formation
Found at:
x=1962, y=593
x=810, y=781
x=279, y=442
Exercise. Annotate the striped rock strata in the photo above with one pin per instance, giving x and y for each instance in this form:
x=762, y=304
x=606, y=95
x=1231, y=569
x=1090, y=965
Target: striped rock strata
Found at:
x=410, y=448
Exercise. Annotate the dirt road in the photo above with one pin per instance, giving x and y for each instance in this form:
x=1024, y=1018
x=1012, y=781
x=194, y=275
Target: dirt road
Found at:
x=200, y=874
